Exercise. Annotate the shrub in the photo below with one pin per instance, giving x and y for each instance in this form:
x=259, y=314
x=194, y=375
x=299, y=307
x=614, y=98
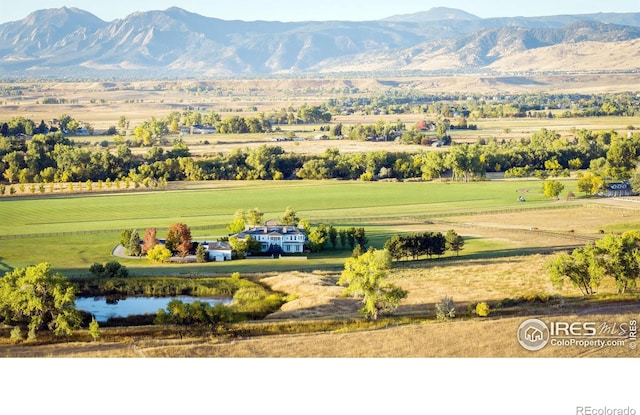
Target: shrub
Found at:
x=159, y=254
x=196, y=313
x=115, y=269
x=256, y=301
x=471, y=308
x=94, y=329
x=110, y=269
x=16, y=335
x=445, y=309
x=482, y=309
x=97, y=269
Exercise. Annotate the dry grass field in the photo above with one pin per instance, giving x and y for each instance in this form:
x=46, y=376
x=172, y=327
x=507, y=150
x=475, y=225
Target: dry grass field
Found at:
x=490, y=337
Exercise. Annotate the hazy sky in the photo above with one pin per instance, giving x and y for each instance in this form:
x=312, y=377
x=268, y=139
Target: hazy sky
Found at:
x=297, y=10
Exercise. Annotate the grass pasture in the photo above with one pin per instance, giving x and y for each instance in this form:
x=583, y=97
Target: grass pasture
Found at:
x=73, y=232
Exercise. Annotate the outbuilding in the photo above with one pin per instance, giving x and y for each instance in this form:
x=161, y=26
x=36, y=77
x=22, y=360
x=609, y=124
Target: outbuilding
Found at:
x=618, y=189
x=218, y=251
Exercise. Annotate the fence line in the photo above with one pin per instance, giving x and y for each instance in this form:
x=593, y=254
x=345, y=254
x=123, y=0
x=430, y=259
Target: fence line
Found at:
x=95, y=232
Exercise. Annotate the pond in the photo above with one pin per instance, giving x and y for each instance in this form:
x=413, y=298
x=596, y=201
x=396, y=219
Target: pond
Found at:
x=103, y=310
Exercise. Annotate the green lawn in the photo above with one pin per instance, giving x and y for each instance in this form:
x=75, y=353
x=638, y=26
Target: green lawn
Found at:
x=73, y=232
x=215, y=206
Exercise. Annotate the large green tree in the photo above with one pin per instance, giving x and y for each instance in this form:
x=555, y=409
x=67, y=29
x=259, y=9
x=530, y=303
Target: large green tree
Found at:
x=238, y=223
x=254, y=217
x=318, y=238
x=465, y=161
x=552, y=188
x=620, y=258
x=365, y=277
x=581, y=267
x=590, y=183
x=38, y=299
x=290, y=217
x=617, y=257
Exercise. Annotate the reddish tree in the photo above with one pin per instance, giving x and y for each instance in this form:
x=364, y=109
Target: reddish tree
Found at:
x=149, y=240
x=179, y=239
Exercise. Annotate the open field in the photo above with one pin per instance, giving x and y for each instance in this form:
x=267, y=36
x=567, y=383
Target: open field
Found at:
x=82, y=229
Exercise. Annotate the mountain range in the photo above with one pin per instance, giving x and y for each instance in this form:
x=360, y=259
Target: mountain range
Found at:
x=174, y=42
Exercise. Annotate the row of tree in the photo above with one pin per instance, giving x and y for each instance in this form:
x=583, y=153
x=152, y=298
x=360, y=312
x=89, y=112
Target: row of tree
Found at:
x=478, y=106
x=177, y=242
x=415, y=245
x=54, y=158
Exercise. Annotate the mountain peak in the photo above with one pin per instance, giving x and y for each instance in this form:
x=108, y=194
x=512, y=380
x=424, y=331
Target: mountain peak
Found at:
x=434, y=14
x=62, y=16
x=175, y=41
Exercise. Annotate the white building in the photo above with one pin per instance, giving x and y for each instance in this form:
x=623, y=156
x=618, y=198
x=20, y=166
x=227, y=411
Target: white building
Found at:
x=218, y=251
x=285, y=239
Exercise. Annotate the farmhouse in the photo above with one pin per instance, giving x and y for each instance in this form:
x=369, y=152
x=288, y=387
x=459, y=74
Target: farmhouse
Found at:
x=286, y=239
x=617, y=189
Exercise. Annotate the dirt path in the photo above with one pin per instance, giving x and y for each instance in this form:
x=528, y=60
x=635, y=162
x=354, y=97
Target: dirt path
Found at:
x=119, y=251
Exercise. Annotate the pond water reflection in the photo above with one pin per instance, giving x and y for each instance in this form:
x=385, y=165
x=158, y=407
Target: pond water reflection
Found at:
x=103, y=309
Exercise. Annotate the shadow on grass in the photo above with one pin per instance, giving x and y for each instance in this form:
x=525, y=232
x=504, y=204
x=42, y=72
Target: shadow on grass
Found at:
x=4, y=267
x=491, y=257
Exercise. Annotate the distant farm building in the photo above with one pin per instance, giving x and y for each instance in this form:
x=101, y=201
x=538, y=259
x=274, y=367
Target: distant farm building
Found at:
x=203, y=129
x=618, y=189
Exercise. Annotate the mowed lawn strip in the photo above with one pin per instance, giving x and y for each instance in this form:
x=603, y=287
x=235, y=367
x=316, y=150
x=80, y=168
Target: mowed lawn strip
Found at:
x=215, y=206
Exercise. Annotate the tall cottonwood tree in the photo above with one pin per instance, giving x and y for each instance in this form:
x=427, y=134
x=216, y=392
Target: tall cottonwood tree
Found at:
x=238, y=223
x=580, y=268
x=620, y=258
x=613, y=256
x=37, y=298
x=290, y=217
x=552, y=188
x=365, y=277
x=254, y=217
